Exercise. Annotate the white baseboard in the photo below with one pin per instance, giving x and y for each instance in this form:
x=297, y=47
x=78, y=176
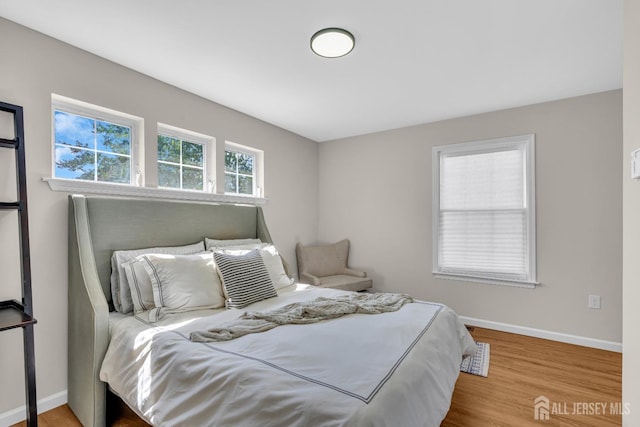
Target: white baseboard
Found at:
x=548, y=335
x=45, y=404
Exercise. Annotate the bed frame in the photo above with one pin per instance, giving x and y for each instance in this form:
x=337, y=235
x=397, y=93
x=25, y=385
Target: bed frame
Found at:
x=97, y=227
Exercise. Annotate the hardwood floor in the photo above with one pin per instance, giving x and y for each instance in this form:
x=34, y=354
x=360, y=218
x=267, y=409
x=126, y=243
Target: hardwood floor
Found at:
x=523, y=368
x=573, y=378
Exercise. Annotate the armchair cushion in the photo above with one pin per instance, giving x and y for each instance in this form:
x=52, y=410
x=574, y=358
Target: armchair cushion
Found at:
x=345, y=282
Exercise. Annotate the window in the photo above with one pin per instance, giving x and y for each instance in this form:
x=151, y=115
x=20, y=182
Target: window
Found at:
x=186, y=159
x=484, y=211
x=241, y=170
x=180, y=163
x=92, y=143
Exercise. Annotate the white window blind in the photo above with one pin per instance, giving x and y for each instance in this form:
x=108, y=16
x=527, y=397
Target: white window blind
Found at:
x=484, y=210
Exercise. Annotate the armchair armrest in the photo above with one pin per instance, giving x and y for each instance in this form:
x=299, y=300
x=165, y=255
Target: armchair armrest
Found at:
x=308, y=278
x=356, y=273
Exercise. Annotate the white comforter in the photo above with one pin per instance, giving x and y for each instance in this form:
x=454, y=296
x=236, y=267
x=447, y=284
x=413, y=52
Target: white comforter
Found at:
x=390, y=369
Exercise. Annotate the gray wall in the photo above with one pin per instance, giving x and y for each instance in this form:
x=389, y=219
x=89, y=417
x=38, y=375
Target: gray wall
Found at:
x=34, y=66
x=376, y=190
x=631, y=215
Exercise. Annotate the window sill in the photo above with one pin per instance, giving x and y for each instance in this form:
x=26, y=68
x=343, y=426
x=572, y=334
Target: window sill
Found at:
x=487, y=281
x=76, y=186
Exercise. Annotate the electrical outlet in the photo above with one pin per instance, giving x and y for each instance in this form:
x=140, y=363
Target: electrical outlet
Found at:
x=594, y=301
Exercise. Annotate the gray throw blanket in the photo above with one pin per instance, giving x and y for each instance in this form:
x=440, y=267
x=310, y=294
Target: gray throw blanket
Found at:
x=298, y=313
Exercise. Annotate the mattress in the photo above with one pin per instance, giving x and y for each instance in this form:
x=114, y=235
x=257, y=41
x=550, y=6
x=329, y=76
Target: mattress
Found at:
x=389, y=369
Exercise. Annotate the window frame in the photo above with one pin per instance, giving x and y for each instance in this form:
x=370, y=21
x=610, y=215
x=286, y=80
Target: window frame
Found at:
x=526, y=143
x=257, y=182
x=138, y=182
x=208, y=155
x=97, y=113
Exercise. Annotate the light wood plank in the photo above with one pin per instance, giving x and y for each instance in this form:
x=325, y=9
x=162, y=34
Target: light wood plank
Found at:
x=523, y=368
x=62, y=416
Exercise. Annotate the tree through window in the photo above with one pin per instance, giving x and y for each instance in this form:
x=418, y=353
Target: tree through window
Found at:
x=180, y=163
x=239, y=172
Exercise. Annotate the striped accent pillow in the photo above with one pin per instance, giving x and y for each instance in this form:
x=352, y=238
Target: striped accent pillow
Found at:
x=245, y=278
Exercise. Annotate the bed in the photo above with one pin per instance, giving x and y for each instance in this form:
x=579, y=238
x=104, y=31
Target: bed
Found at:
x=394, y=368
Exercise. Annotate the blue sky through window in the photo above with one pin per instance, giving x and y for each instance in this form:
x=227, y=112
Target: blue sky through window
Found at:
x=84, y=147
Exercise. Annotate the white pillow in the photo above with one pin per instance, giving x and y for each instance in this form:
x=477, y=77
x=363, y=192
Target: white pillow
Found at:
x=120, y=293
x=273, y=262
x=183, y=283
x=271, y=259
x=211, y=244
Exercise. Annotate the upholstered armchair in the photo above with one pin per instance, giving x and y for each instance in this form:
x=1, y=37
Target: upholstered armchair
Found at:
x=327, y=266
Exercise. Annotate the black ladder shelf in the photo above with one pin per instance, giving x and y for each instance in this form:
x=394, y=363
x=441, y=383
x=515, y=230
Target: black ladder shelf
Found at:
x=15, y=314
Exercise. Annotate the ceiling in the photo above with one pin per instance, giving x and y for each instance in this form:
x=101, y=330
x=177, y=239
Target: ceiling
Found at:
x=415, y=61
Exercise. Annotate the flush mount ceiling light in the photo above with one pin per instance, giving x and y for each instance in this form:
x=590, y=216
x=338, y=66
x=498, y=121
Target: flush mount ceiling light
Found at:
x=332, y=42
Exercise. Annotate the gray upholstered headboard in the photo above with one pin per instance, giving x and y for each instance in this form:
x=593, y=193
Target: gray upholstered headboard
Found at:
x=97, y=227
x=117, y=224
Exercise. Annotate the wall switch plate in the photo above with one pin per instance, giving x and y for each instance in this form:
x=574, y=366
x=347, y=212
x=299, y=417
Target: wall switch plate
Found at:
x=635, y=164
x=594, y=301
